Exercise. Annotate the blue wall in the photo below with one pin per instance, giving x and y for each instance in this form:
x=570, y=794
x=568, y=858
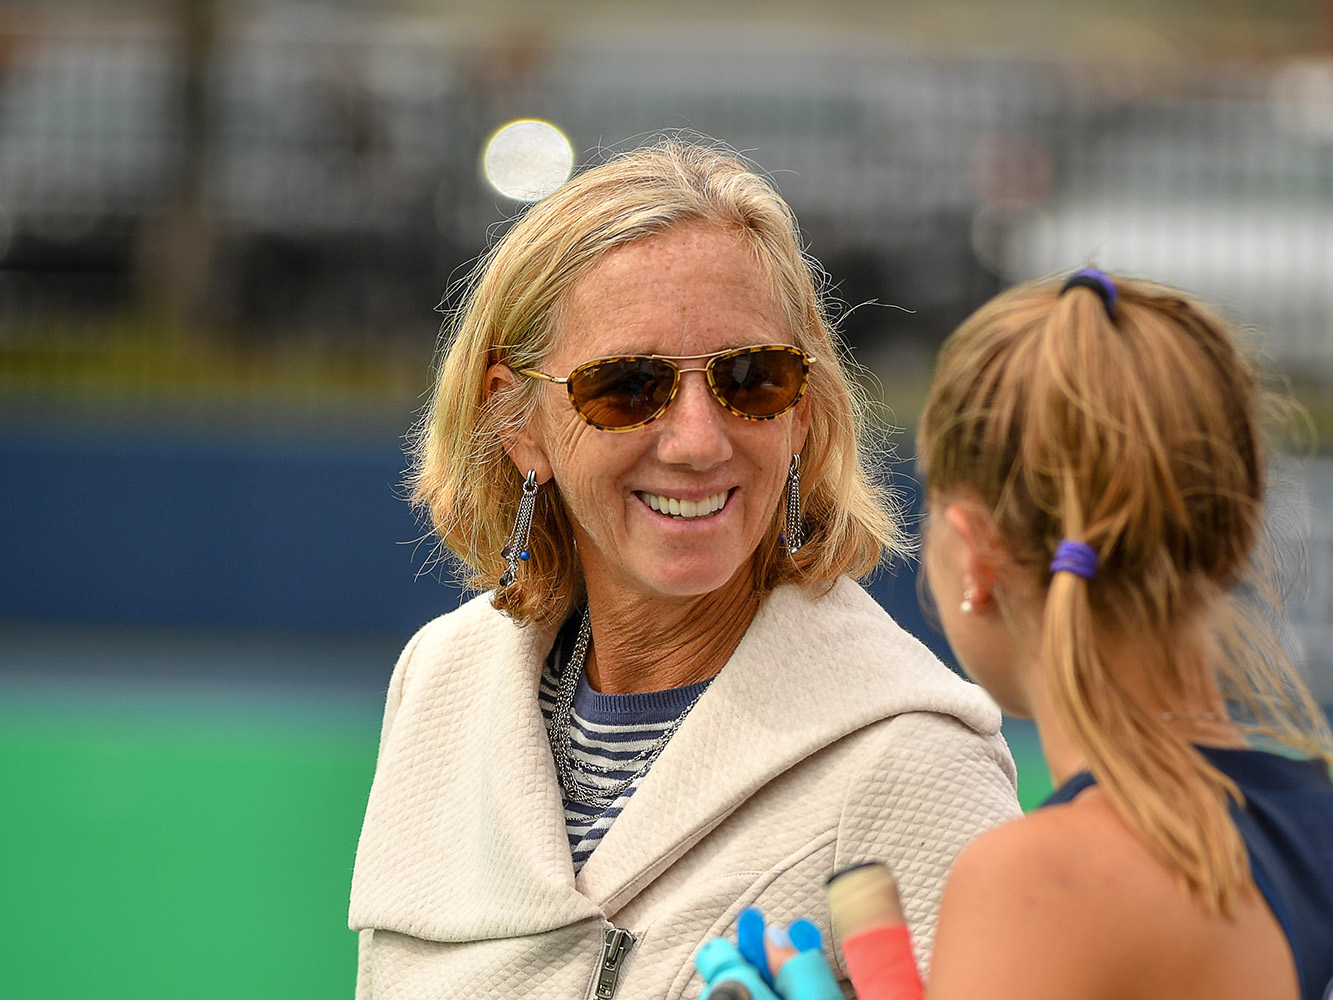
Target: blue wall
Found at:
x=158, y=530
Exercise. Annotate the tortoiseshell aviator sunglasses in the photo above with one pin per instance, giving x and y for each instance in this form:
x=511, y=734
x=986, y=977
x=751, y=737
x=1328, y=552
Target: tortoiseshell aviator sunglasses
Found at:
x=625, y=393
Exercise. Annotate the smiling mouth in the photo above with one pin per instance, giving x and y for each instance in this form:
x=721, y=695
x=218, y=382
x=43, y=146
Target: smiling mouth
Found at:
x=685, y=510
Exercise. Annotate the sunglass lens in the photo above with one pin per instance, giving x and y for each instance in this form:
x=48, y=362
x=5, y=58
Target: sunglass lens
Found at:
x=622, y=392
x=760, y=383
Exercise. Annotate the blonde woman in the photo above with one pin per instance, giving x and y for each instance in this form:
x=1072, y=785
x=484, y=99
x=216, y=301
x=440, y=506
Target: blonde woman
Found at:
x=1095, y=472
x=672, y=701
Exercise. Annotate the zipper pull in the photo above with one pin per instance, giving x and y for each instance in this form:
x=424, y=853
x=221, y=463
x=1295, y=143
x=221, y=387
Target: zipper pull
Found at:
x=615, y=947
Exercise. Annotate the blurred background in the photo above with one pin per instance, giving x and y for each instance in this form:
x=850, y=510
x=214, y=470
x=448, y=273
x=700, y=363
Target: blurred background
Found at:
x=225, y=226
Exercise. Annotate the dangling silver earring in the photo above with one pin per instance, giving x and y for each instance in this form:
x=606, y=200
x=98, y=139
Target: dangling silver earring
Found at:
x=794, y=537
x=516, y=549
x=965, y=606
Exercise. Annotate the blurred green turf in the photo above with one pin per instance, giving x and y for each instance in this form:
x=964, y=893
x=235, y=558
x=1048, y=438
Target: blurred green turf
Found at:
x=165, y=854
x=196, y=847
x=1034, y=781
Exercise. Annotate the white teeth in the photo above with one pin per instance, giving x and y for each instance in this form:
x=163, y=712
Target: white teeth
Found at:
x=685, y=509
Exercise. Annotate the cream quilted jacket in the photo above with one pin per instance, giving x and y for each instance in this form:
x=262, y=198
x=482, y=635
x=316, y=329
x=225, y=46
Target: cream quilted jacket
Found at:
x=830, y=737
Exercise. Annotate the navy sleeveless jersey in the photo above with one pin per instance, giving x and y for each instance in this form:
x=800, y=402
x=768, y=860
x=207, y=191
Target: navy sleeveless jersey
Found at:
x=1287, y=826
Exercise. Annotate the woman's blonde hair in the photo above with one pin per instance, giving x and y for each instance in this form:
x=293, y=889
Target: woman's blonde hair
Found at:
x=511, y=314
x=1140, y=435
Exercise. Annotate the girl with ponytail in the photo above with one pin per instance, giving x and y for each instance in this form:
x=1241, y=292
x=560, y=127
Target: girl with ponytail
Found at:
x=1095, y=471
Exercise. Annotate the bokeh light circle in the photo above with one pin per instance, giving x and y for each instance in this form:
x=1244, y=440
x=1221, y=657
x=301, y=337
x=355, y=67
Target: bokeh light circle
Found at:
x=527, y=160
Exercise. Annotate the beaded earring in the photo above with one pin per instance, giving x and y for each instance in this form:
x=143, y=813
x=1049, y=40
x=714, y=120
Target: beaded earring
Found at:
x=516, y=549
x=794, y=537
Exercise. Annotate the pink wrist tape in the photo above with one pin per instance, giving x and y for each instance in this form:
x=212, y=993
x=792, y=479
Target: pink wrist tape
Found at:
x=881, y=965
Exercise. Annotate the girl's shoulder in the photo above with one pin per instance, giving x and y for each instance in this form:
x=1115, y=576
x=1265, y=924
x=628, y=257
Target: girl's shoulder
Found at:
x=1059, y=888
x=1067, y=852
x=1069, y=890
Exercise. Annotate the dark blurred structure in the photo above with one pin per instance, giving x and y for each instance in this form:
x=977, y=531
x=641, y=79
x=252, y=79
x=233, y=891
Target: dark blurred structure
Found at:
x=312, y=173
x=297, y=166
x=315, y=172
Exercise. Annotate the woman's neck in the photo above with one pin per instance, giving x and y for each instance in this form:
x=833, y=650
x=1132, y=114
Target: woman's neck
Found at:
x=651, y=645
x=1197, y=713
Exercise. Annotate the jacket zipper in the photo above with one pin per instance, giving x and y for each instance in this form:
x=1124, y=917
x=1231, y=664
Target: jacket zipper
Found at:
x=615, y=946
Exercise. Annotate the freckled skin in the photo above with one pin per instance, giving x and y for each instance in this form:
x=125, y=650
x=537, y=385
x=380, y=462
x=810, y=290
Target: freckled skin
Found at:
x=690, y=291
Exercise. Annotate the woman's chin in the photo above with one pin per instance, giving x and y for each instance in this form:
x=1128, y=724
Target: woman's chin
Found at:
x=677, y=578
x=687, y=585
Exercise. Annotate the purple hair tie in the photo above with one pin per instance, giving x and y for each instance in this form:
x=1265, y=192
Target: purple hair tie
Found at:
x=1074, y=557
x=1090, y=277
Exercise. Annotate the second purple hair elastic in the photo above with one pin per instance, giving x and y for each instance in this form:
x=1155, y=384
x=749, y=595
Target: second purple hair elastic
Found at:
x=1099, y=282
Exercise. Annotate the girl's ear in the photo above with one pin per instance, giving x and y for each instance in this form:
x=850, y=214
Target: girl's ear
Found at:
x=523, y=444
x=982, y=553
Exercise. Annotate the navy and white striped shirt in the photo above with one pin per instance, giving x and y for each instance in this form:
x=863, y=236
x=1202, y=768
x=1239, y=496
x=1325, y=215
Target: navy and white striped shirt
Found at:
x=606, y=730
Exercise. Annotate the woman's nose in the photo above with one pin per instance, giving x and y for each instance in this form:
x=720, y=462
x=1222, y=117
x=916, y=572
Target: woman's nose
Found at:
x=694, y=431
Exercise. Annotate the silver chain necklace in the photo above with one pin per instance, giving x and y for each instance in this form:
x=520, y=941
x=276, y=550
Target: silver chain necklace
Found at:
x=562, y=722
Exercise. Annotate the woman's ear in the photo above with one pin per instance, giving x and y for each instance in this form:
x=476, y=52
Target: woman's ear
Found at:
x=981, y=551
x=522, y=444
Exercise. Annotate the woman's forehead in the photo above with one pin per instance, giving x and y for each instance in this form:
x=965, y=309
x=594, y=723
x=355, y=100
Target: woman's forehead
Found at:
x=692, y=290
